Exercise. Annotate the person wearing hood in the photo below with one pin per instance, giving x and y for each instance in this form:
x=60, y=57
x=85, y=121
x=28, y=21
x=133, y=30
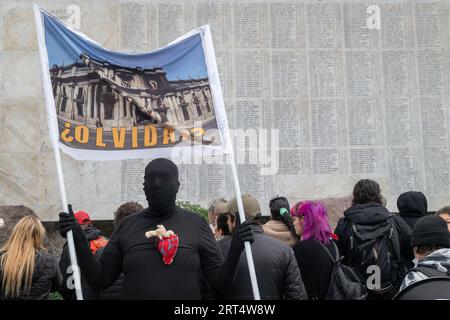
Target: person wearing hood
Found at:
x=412, y=206
x=163, y=251
x=96, y=241
x=369, y=235
x=280, y=226
x=431, y=241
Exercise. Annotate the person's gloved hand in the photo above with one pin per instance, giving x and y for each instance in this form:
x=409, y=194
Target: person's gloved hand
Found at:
x=67, y=222
x=242, y=234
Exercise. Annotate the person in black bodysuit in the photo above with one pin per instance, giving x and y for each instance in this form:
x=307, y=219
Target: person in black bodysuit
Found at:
x=130, y=252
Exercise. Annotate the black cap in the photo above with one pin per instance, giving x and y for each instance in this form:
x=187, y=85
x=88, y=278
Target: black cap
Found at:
x=430, y=230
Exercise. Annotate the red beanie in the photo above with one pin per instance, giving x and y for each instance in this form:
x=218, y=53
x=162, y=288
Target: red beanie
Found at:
x=82, y=217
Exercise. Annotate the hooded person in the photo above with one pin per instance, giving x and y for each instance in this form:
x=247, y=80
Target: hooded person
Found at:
x=412, y=206
x=370, y=235
x=163, y=251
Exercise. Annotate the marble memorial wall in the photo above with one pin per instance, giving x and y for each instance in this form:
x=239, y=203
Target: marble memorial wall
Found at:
x=357, y=89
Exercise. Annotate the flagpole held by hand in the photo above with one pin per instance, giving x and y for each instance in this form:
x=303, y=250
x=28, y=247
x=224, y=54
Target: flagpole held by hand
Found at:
x=51, y=117
x=247, y=248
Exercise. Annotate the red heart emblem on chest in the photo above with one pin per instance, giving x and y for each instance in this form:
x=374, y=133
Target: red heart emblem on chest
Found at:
x=168, y=246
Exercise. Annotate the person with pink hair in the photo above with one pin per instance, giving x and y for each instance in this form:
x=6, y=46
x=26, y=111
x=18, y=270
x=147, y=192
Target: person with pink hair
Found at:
x=311, y=224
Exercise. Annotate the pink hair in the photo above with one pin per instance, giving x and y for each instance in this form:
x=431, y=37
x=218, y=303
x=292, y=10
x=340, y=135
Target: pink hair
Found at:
x=315, y=219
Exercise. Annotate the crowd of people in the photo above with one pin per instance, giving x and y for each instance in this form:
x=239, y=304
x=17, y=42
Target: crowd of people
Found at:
x=371, y=254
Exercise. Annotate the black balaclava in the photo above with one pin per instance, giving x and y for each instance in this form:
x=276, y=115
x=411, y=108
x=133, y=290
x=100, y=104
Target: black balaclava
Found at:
x=161, y=186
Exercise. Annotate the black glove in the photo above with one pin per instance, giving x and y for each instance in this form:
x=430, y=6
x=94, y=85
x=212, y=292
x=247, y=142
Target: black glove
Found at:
x=242, y=234
x=67, y=222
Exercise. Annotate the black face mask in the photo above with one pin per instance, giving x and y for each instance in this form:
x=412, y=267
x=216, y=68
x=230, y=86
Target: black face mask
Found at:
x=161, y=186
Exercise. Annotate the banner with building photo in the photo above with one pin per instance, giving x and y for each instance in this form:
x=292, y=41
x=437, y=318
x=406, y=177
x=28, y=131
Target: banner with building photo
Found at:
x=113, y=105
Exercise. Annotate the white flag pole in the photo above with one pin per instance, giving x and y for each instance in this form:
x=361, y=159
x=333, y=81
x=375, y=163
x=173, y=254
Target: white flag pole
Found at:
x=213, y=75
x=248, y=250
x=52, y=122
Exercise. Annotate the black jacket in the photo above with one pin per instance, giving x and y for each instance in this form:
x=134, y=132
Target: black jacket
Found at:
x=89, y=293
x=46, y=278
x=277, y=271
x=371, y=213
x=412, y=206
x=315, y=267
x=145, y=274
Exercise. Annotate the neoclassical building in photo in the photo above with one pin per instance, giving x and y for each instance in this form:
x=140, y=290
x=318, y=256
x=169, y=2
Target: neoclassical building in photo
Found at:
x=97, y=93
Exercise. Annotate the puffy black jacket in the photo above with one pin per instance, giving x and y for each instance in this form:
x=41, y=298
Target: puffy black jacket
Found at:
x=89, y=293
x=46, y=278
x=276, y=268
x=372, y=214
x=412, y=206
x=114, y=291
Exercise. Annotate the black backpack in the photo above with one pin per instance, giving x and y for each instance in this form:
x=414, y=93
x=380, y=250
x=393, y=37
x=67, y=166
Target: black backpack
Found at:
x=378, y=245
x=344, y=282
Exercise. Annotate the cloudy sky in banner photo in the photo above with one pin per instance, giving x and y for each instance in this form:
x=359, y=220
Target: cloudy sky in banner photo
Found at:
x=181, y=60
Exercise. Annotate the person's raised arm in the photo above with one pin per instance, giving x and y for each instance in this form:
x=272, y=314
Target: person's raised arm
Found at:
x=100, y=273
x=220, y=276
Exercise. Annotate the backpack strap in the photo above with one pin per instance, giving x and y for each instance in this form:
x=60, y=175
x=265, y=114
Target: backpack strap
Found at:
x=395, y=240
x=352, y=233
x=430, y=272
x=333, y=259
x=336, y=250
x=391, y=221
